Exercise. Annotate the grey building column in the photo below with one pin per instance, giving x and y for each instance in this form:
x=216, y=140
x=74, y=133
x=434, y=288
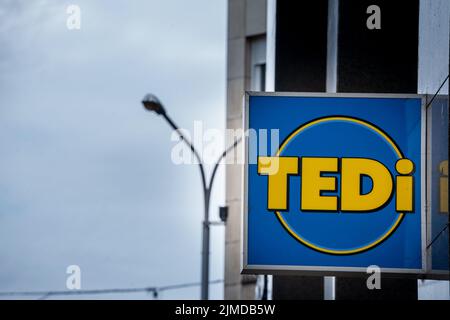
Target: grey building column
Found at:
x=246, y=21
x=331, y=86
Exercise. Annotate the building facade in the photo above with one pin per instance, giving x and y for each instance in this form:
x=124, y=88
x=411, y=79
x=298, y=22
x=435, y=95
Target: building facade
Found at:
x=327, y=46
x=245, y=71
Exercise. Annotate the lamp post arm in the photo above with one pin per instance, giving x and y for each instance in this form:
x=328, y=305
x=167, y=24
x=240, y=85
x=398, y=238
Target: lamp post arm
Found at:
x=223, y=155
x=191, y=146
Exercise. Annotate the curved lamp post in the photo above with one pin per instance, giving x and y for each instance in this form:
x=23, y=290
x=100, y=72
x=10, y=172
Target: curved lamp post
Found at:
x=152, y=103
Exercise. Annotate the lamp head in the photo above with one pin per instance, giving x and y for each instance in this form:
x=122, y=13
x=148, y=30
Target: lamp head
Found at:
x=152, y=103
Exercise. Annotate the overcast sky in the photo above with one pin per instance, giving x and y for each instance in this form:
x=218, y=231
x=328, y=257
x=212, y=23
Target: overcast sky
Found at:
x=86, y=176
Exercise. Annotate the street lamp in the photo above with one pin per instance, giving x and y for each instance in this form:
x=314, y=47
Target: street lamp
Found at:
x=152, y=103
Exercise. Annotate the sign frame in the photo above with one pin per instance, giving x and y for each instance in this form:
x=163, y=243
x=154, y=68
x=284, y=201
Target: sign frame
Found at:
x=246, y=268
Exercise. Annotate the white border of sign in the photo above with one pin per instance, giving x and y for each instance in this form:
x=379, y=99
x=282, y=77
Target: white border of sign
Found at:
x=320, y=270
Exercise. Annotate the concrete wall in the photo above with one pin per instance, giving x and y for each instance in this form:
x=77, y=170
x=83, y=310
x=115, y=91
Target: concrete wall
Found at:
x=433, y=45
x=246, y=19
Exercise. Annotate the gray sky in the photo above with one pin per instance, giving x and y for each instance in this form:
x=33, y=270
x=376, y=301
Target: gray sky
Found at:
x=86, y=176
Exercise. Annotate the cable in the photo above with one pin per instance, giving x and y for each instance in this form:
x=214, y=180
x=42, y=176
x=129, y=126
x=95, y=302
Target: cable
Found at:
x=439, y=234
x=439, y=89
x=426, y=107
x=154, y=290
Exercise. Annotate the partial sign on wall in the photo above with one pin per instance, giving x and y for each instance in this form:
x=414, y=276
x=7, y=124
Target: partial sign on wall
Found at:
x=343, y=189
x=437, y=173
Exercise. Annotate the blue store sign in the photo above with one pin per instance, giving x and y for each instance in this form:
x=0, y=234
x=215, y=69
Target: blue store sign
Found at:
x=340, y=190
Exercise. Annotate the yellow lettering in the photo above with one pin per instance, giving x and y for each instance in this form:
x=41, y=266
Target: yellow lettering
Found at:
x=313, y=184
x=443, y=186
x=404, y=186
x=351, y=197
x=278, y=169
